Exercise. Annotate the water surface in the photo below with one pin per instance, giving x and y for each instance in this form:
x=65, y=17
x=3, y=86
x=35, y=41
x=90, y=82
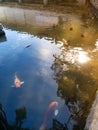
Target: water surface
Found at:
x=56, y=59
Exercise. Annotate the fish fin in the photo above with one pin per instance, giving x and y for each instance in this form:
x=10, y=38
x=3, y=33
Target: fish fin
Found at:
x=56, y=112
x=22, y=82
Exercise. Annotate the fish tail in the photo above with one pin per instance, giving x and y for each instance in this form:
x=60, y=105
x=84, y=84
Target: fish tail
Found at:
x=43, y=127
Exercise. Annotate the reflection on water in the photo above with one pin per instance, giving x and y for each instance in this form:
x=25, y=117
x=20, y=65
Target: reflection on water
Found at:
x=20, y=117
x=32, y=65
x=58, y=63
x=74, y=55
x=96, y=45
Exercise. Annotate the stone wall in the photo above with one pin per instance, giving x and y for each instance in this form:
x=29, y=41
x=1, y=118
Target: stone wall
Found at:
x=95, y=3
x=81, y=2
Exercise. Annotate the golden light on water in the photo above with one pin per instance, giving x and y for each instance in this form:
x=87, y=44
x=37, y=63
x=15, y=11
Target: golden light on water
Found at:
x=83, y=58
x=96, y=44
x=76, y=55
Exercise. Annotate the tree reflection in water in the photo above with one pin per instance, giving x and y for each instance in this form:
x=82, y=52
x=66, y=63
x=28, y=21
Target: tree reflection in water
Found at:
x=76, y=85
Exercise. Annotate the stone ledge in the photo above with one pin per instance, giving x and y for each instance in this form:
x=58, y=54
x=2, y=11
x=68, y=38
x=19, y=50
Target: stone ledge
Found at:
x=92, y=120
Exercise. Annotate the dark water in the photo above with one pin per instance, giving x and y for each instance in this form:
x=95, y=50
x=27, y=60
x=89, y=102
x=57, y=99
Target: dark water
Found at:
x=57, y=62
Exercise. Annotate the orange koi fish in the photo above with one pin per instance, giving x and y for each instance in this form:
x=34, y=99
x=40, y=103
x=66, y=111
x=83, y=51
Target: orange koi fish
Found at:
x=17, y=82
x=51, y=109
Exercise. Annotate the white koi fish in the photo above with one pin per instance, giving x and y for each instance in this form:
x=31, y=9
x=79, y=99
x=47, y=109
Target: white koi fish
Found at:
x=51, y=108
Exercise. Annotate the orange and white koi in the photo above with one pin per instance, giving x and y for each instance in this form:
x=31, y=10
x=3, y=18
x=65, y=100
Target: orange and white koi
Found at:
x=17, y=82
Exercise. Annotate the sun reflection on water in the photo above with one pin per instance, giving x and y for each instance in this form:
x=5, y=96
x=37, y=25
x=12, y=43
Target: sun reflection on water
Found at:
x=75, y=55
x=96, y=44
x=82, y=57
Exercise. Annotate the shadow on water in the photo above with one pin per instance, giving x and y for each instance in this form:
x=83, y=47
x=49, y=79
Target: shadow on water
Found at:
x=19, y=120
x=74, y=68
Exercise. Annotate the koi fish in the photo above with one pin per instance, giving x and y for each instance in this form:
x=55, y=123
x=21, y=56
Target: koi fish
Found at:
x=17, y=82
x=51, y=109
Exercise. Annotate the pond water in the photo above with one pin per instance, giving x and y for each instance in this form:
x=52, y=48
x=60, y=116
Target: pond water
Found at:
x=58, y=61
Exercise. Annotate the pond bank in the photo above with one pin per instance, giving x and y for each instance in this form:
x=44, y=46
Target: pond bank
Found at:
x=92, y=120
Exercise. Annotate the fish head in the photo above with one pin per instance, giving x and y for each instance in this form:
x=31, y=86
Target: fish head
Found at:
x=43, y=127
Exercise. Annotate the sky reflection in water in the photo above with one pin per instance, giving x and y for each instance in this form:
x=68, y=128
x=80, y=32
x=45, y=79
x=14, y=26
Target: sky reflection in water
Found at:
x=32, y=65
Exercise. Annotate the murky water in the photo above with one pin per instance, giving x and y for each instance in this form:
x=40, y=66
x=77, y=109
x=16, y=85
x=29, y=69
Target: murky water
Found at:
x=56, y=57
